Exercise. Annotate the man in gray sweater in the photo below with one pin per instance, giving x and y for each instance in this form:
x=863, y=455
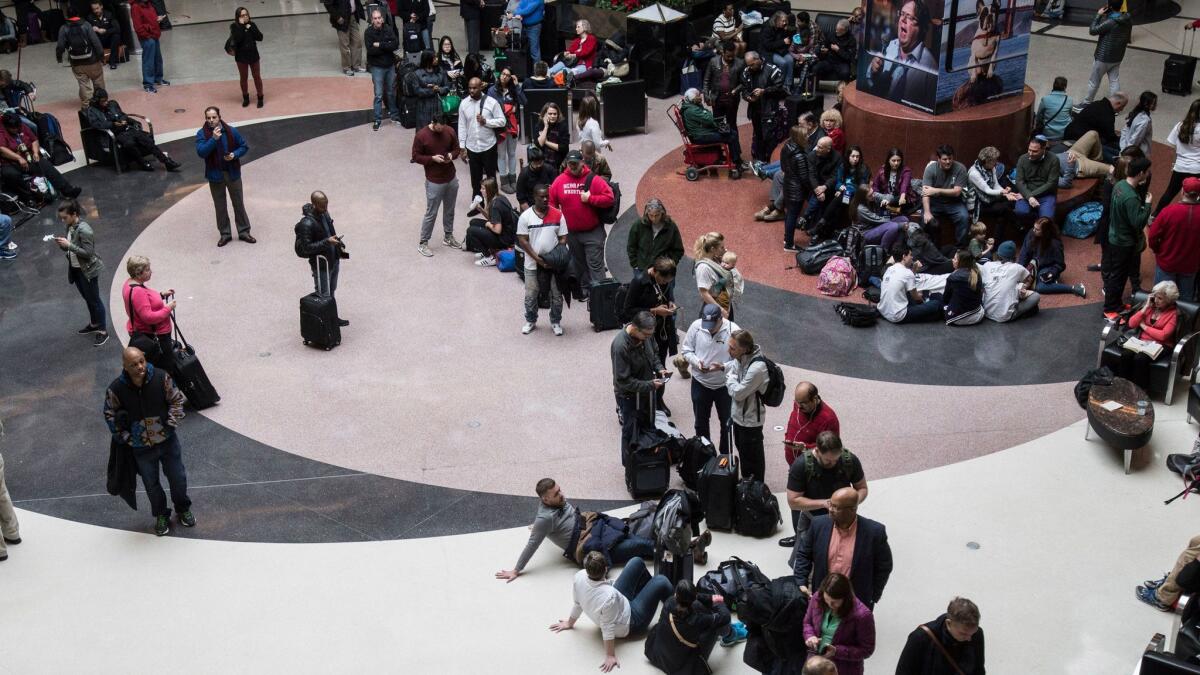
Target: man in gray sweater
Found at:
x=556, y=519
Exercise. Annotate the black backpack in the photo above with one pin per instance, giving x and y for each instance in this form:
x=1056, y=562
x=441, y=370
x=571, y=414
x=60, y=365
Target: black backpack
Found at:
x=696, y=453
x=810, y=260
x=871, y=261
x=732, y=579
x=757, y=509
x=854, y=314
x=79, y=47
x=851, y=241
x=776, y=387
x=609, y=215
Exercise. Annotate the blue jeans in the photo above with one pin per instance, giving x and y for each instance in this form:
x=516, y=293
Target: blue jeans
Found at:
x=6, y=228
x=629, y=548
x=644, y=592
x=1045, y=207
x=560, y=66
x=956, y=212
x=930, y=310
x=786, y=63
x=703, y=401
x=384, y=79
x=169, y=454
x=534, y=35
x=152, y=63
x=771, y=169
x=1185, y=282
x=1053, y=287
x=89, y=289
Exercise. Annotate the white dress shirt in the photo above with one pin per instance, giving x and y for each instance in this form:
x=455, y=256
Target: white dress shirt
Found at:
x=474, y=136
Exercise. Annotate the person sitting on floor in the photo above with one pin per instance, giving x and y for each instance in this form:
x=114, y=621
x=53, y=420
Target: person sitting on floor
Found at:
x=899, y=299
x=133, y=143
x=688, y=628
x=849, y=191
x=1162, y=594
x=964, y=292
x=498, y=231
x=1153, y=322
x=1007, y=290
x=1043, y=248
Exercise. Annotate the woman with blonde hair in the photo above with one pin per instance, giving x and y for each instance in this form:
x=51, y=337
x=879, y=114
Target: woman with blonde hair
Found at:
x=712, y=280
x=149, y=313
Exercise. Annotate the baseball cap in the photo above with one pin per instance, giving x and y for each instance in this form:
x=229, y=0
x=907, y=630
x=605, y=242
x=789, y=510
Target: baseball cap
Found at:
x=574, y=156
x=1191, y=185
x=709, y=317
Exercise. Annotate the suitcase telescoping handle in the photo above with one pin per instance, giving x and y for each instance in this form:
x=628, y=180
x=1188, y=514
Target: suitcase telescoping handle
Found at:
x=178, y=333
x=321, y=258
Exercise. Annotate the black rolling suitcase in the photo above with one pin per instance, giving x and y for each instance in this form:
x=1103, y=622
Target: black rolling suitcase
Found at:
x=605, y=301
x=319, y=316
x=1179, y=71
x=189, y=374
x=648, y=462
x=675, y=569
x=717, y=486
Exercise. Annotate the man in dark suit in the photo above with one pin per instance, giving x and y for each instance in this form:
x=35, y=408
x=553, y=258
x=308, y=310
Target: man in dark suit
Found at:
x=843, y=542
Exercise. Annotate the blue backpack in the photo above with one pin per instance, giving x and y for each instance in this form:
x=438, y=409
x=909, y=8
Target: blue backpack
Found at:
x=1082, y=221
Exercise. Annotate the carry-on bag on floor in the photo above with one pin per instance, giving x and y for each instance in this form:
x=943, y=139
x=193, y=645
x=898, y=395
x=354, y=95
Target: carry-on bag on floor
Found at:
x=319, y=316
x=605, y=302
x=717, y=486
x=648, y=464
x=189, y=374
x=757, y=509
x=674, y=567
x=1179, y=70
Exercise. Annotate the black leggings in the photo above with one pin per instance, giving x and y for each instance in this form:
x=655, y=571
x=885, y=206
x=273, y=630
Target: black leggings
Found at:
x=479, y=239
x=1173, y=189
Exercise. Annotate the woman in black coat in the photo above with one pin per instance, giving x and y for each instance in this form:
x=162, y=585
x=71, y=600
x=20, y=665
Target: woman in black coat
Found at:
x=244, y=37
x=797, y=183
x=687, y=630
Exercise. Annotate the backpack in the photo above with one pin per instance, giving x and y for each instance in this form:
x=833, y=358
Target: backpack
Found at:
x=640, y=523
x=773, y=396
x=49, y=133
x=1083, y=388
x=671, y=529
x=696, y=453
x=506, y=260
x=79, y=47
x=757, y=509
x=810, y=465
x=732, y=579
x=851, y=241
x=854, y=314
x=837, y=277
x=871, y=261
x=609, y=215
x=810, y=260
x=775, y=611
x=1083, y=220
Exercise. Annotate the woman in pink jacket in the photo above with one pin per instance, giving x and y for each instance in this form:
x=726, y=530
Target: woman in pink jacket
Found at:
x=839, y=626
x=149, y=313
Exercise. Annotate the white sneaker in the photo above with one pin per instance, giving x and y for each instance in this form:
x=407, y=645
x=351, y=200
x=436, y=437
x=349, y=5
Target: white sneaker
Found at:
x=423, y=249
x=557, y=328
x=489, y=261
x=450, y=241
x=478, y=256
x=528, y=328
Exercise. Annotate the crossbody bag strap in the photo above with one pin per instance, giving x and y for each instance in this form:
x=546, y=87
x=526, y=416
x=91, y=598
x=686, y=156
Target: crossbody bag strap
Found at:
x=129, y=301
x=942, y=649
x=678, y=636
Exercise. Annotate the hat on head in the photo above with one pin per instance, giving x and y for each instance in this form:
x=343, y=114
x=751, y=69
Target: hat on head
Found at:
x=574, y=156
x=1007, y=250
x=1191, y=185
x=710, y=316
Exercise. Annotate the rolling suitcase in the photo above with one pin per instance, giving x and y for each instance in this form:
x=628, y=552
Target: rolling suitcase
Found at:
x=717, y=487
x=189, y=374
x=648, y=463
x=319, y=316
x=1179, y=70
x=605, y=301
x=674, y=567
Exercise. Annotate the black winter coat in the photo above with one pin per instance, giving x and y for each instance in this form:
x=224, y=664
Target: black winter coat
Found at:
x=701, y=627
x=340, y=9
x=922, y=657
x=797, y=174
x=772, y=40
x=245, y=42
x=312, y=237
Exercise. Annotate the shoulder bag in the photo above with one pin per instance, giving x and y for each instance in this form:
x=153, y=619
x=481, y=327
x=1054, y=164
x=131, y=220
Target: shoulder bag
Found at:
x=942, y=649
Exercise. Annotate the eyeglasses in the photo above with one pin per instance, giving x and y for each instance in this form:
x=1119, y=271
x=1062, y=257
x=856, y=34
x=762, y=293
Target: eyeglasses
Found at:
x=905, y=17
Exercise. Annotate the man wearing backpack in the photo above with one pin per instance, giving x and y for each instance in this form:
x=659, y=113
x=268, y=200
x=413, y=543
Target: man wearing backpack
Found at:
x=815, y=476
x=581, y=196
x=85, y=54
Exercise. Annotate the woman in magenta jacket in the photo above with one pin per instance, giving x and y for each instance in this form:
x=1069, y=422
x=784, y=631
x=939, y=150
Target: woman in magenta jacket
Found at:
x=149, y=313
x=839, y=626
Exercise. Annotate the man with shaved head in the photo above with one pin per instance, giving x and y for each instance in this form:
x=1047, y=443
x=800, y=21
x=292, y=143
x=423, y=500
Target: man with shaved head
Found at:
x=843, y=542
x=479, y=117
x=142, y=408
x=316, y=237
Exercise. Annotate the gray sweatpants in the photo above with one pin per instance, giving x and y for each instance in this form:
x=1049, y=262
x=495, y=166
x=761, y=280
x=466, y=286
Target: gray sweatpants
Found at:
x=588, y=250
x=436, y=195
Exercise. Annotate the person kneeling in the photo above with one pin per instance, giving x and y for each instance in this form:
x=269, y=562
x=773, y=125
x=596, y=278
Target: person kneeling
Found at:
x=688, y=628
x=620, y=609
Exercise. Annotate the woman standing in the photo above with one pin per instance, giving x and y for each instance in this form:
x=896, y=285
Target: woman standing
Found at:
x=1185, y=136
x=745, y=380
x=498, y=231
x=429, y=85
x=149, y=313
x=1044, y=249
x=507, y=92
x=550, y=133
x=797, y=184
x=712, y=279
x=839, y=626
x=242, y=44
x=84, y=268
x=655, y=235
x=589, y=125
x=1139, y=128
x=449, y=59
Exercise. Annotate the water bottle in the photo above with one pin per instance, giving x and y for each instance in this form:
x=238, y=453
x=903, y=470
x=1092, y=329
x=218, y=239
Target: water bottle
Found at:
x=1141, y=407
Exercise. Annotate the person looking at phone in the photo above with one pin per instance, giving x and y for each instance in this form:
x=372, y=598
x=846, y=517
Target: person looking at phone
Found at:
x=654, y=291
x=435, y=147
x=839, y=626
x=746, y=380
x=706, y=349
x=222, y=148
x=638, y=375
x=315, y=237
x=811, y=416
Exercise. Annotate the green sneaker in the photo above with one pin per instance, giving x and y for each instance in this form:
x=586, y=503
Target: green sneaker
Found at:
x=186, y=519
x=162, y=525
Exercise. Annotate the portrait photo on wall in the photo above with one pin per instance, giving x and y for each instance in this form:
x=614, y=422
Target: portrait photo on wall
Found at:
x=903, y=44
x=989, y=54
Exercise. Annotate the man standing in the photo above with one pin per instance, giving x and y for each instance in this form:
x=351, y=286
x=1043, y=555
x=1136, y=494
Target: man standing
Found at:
x=941, y=192
x=1127, y=216
x=951, y=643
x=381, y=45
x=143, y=407
x=762, y=88
x=471, y=12
x=594, y=161
x=84, y=53
x=1175, y=239
x=222, y=148
x=10, y=529
x=530, y=13
x=1115, y=29
x=435, y=147
x=815, y=476
x=706, y=349
x=344, y=16
x=579, y=194
x=146, y=22
x=315, y=237
x=638, y=375
x=844, y=543
x=478, y=118
x=721, y=80
x=1037, y=181
x=541, y=228
x=108, y=29
x=810, y=416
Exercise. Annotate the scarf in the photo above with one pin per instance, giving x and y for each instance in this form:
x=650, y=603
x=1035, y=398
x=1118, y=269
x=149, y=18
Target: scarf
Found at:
x=216, y=159
x=988, y=176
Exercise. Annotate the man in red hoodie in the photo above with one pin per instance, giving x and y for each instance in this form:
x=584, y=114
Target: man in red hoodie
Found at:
x=1175, y=239
x=580, y=203
x=146, y=22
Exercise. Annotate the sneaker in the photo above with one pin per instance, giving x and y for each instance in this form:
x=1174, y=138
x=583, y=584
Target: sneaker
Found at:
x=1150, y=597
x=14, y=542
x=423, y=249
x=164, y=83
x=788, y=542
x=1081, y=290
x=88, y=330
x=1153, y=584
x=528, y=328
x=348, y=72
x=360, y=70
x=162, y=525
x=557, y=328
x=762, y=213
x=757, y=168
x=737, y=633
x=682, y=364
x=791, y=248
x=450, y=241
x=150, y=90
x=773, y=217
x=486, y=261
x=186, y=519
x=479, y=255
x=100, y=339
x=8, y=255
x=1111, y=316
x=375, y=126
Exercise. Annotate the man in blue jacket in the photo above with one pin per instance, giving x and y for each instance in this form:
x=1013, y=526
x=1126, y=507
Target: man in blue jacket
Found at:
x=530, y=13
x=222, y=148
x=842, y=542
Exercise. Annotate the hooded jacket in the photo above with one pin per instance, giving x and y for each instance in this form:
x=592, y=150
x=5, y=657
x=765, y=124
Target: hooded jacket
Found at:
x=745, y=380
x=564, y=196
x=644, y=247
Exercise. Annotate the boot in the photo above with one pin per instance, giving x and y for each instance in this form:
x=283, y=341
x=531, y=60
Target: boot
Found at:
x=245, y=100
x=260, y=101
x=698, y=546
